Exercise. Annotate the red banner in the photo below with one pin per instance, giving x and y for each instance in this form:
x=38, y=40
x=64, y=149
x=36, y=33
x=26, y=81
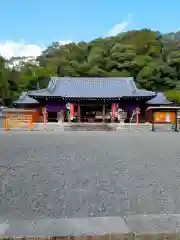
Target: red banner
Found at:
x=113, y=111
x=71, y=110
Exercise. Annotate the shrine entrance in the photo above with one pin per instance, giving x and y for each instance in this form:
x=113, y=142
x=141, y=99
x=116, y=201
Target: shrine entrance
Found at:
x=95, y=113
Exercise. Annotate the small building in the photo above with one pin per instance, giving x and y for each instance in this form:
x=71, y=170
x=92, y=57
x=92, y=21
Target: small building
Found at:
x=27, y=103
x=159, y=101
x=24, y=101
x=94, y=99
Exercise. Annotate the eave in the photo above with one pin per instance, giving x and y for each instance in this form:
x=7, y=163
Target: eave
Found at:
x=138, y=98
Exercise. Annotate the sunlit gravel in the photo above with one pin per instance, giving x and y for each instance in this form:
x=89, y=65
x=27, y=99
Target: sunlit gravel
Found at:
x=80, y=174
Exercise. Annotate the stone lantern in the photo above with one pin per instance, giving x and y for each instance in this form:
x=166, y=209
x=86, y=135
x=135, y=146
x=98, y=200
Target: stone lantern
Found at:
x=121, y=115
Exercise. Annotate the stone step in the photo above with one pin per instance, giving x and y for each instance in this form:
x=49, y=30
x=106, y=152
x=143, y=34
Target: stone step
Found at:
x=48, y=127
x=84, y=129
x=133, y=127
x=87, y=128
x=90, y=127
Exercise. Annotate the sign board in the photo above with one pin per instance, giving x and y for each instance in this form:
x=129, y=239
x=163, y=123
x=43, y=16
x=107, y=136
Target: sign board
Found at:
x=164, y=117
x=19, y=120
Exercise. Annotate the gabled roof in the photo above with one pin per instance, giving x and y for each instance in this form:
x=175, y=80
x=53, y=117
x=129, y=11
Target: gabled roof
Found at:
x=160, y=99
x=25, y=99
x=74, y=87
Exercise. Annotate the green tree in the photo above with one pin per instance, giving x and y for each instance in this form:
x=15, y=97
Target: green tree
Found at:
x=152, y=58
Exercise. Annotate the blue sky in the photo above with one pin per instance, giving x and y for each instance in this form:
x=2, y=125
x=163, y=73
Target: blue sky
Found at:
x=41, y=22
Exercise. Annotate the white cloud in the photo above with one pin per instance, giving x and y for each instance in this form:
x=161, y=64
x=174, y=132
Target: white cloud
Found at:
x=10, y=49
x=120, y=27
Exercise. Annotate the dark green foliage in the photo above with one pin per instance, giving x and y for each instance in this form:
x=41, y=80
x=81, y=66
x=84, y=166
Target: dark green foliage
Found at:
x=151, y=58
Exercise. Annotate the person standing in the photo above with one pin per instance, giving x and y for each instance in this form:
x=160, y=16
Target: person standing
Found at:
x=60, y=117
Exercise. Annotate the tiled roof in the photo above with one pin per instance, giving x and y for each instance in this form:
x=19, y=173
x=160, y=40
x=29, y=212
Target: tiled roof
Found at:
x=160, y=99
x=73, y=87
x=25, y=99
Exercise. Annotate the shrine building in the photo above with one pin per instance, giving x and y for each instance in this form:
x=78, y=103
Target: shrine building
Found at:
x=91, y=99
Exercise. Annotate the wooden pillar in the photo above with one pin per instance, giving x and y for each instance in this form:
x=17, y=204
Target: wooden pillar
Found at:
x=71, y=110
x=176, y=121
x=113, y=111
x=153, y=121
x=45, y=117
x=6, y=127
x=79, y=112
x=30, y=122
x=137, y=117
x=103, y=112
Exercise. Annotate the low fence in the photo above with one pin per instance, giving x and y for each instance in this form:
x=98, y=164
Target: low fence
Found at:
x=17, y=119
x=23, y=121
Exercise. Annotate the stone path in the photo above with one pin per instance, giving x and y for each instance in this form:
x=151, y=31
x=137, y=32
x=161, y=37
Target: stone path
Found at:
x=47, y=175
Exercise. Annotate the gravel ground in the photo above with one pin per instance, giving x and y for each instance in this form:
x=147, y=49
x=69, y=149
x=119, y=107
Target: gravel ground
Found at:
x=79, y=174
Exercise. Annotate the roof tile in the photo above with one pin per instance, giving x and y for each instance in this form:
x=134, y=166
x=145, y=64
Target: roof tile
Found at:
x=25, y=99
x=91, y=87
x=160, y=99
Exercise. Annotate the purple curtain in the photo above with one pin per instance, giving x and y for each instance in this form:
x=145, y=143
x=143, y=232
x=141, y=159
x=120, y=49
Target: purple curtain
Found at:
x=55, y=107
x=58, y=107
x=129, y=108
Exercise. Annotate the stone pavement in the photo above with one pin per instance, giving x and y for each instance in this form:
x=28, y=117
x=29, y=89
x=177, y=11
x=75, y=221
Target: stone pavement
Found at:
x=129, y=227
x=96, y=127
x=105, y=181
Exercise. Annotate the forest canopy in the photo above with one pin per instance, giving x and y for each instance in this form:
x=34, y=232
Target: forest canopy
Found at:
x=151, y=58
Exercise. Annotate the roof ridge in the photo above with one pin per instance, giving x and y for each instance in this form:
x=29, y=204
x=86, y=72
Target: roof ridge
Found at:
x=52, y=84
x=54, y=79
x=132, y=84
x=38, y=90
x=23, y=95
